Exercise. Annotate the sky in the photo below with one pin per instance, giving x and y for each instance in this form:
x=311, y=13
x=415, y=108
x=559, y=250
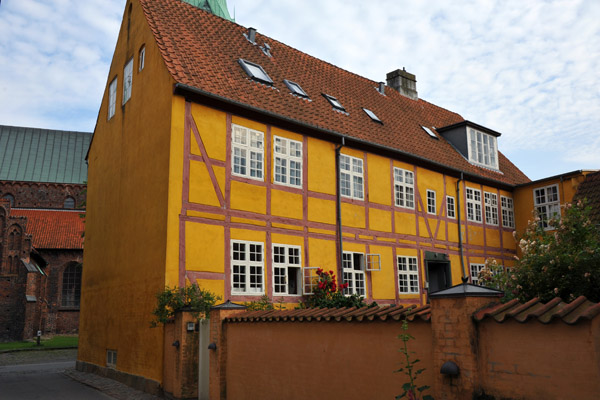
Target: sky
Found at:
x=527, y=69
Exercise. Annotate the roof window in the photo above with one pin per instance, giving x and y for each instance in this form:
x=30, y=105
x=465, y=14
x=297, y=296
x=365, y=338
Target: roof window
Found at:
x=334, y=102
x=372, y=115
x=295, y=88
x=255, y=72
x=429, y=132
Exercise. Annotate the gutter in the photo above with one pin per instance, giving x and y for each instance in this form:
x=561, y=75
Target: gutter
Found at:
x=186, y=90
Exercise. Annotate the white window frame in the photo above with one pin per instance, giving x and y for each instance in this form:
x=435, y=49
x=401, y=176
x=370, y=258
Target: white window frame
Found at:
x=127, y=80
x=491, y=208
x=431, y=203
x=310, y=279
x=404, y=188
x=373, y=262
x=247, y=152
x=483, y=149
x=351, y=177
x=287, y=153
x=475, y=269
x=283, y=269
x=508, y=212
x=408, y=275
x=142, y=59
x=248, y=264
x=111, y=358
x=450, y=207
x=546, y=204
x=354, y=275
x=473, y=205
x=112, y=98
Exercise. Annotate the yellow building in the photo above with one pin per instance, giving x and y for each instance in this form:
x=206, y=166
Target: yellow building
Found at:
x=225, y=158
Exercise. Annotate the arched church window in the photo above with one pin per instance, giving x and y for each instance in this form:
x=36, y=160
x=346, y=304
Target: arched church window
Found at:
x=69, y=203
x=71, y=286
x=10, y=198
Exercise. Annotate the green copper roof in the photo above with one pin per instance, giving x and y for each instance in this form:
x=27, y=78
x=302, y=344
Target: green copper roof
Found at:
x=217, y=7
x=43, y=155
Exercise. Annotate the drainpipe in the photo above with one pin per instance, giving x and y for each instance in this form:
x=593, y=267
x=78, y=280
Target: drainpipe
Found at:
x=338, y=219
x=465, y=278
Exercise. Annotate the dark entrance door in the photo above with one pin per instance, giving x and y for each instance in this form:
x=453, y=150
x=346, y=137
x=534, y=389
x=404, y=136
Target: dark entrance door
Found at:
x=439, y=275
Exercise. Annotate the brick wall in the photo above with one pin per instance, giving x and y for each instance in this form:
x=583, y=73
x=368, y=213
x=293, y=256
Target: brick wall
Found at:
x=42, y=195
x=12, y=306
x=271, y=358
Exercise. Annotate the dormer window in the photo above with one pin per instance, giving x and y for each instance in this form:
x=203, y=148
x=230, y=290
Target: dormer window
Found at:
x=483, y=149
x=255, y=72
x=334, y=102
x=295, y=88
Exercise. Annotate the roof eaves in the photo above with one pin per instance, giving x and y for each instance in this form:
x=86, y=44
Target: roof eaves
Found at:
x=186, y=90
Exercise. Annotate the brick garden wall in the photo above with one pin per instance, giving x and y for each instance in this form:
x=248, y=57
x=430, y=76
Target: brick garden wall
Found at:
x=356, y=360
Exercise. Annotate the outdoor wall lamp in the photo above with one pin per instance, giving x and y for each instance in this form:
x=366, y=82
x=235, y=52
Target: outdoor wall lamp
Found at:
x=450, y=368
x=191, y=326
x=212, y=346
x=176, y=344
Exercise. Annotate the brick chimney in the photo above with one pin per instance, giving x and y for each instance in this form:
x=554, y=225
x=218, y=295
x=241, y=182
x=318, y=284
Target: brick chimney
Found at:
x=404, y=82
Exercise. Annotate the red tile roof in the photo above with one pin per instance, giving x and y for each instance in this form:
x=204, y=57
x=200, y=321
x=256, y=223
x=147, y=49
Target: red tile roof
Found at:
x=335, y=314
x=202, y=51
x=570, y=313
x=53, y=229
x=589, y=189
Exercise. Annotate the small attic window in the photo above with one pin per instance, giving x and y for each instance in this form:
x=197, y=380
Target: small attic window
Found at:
x=372, y=115
x=295, y=88
x=429, y=132
x=255, y=72
x=334, y=102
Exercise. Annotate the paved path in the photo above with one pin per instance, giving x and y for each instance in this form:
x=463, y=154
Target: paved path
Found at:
x=51, y=374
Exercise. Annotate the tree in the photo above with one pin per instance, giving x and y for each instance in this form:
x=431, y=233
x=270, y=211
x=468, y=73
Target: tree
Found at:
x=564, y=262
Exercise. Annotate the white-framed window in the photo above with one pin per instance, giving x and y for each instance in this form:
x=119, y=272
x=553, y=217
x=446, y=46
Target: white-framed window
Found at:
x=247, y=267
x=408, y=275
x=547, y=204
x=483, y=149
x=142, y=58
x=353, y=265
x=508, y=213
x=431, y=207
x=491, y=208
x=310, y=279
x=247, y=147
x=112, y=98
x=475, y=270
x=127, y=80
x=450, y=207
x=111, y=358
x=473, y=205
x=287, y=165
x=287, y=270
x=404, y=188
x=351, y=177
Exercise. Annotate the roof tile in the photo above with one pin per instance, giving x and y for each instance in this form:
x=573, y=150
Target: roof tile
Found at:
x=202, y=51
x=53, y=229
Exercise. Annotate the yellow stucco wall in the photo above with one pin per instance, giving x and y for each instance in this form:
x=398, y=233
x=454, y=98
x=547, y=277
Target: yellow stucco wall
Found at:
x=126, y=221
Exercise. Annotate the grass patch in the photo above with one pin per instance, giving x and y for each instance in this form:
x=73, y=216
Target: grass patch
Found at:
x=54, y=342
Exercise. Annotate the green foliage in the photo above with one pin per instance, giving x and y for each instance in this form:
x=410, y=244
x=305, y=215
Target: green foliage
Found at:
x=328, y=294
x=174, y=299
x=564, y=262
x=410, y=389
x=263, y=304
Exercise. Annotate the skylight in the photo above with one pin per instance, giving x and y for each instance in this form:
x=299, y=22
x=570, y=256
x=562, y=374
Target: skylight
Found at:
x=334, y=102
x=255, y=72
x=295, y=88
x=429, y=132
x=372, y=115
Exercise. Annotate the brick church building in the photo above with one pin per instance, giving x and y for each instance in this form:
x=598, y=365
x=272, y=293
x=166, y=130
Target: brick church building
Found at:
x=42, y=205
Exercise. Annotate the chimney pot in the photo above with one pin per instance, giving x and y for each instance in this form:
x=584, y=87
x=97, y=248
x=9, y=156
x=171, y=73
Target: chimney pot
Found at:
x=404, y=82
x=251, y=35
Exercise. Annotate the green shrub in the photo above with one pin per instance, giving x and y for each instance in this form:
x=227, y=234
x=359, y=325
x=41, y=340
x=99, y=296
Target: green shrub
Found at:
x=174, y=299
